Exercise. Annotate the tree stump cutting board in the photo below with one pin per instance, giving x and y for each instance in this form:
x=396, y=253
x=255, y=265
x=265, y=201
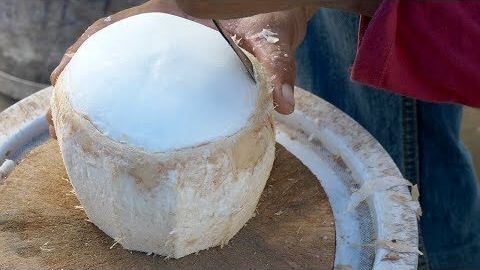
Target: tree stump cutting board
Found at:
x=42, y=225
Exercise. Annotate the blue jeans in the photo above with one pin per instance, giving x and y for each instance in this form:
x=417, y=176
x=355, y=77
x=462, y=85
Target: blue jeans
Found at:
x=422, y=138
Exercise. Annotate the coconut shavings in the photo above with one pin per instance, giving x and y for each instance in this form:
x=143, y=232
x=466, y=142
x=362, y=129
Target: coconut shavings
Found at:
x=45, y=248
x=268, y=35
x=415, y=204
x=375, y=185
x=115, y=243
x=6, y=168
x=236, y=39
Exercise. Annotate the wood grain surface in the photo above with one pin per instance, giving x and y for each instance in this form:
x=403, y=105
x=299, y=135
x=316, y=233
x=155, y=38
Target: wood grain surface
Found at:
x=41, y=227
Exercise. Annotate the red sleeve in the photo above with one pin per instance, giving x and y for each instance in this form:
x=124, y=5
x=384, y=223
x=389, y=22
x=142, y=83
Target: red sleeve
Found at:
x=426, y=49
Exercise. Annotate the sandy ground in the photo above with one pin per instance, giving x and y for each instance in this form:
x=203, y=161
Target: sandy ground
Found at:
x=470, y=129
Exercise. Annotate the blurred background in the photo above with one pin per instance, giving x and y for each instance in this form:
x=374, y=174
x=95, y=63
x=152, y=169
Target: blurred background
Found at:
x=34, y=34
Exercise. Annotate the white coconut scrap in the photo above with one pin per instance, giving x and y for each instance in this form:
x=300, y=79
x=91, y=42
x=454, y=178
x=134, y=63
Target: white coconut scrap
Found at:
x=415, y=193
x=268, y=35
x=372, y=186
x=6, y=168
x=415, y=204
x=44, y=247
x=236, y=39
x=115, y=242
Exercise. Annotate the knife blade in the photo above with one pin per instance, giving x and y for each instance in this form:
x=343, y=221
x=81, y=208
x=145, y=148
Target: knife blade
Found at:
x=243, y=57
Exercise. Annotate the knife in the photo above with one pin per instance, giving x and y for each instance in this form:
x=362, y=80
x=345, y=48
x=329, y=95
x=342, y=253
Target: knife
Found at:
x=243, y=57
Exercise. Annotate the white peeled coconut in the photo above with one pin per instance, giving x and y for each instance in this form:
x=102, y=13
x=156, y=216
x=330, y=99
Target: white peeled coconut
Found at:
x=166, y=140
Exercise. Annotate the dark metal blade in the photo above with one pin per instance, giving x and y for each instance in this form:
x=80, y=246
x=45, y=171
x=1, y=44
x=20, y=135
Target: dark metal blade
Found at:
x=246, y=62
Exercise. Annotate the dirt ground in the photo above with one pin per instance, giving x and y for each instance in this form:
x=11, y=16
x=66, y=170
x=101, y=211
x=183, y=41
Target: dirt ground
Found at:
x=470, y=130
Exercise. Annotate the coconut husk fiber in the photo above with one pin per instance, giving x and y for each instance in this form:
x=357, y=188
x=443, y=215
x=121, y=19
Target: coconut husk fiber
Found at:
x=43, y=226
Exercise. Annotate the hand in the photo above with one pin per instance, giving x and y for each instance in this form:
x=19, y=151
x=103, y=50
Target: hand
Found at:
x=272, y=38
x=228, y=9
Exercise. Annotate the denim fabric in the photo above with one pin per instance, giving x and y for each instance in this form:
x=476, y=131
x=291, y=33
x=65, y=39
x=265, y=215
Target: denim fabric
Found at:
x=422, y=138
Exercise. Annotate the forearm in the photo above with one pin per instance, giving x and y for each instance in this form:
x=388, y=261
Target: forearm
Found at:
x=226, y=9
x=361, y=7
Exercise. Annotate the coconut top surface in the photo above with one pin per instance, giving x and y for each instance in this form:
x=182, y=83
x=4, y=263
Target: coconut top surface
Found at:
x=161, y=83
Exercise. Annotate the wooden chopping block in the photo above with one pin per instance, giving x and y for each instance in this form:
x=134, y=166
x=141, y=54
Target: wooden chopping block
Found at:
x=42, y=225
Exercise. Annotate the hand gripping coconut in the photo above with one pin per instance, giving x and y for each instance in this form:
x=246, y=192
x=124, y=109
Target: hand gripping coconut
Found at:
x=167, y=141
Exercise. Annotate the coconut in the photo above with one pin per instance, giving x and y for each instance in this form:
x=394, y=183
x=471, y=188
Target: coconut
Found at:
x=167, y=142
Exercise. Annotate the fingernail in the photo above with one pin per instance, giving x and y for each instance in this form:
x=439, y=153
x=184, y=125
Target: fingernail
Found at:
x=287, y=94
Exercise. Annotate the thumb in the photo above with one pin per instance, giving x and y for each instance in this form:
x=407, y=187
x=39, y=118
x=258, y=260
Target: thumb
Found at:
x=279, y=64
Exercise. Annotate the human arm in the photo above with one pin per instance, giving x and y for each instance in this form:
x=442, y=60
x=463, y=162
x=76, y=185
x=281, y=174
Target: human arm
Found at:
x=226, y=9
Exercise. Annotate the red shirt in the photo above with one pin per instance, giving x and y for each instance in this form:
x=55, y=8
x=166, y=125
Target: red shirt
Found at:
x=426, y=49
